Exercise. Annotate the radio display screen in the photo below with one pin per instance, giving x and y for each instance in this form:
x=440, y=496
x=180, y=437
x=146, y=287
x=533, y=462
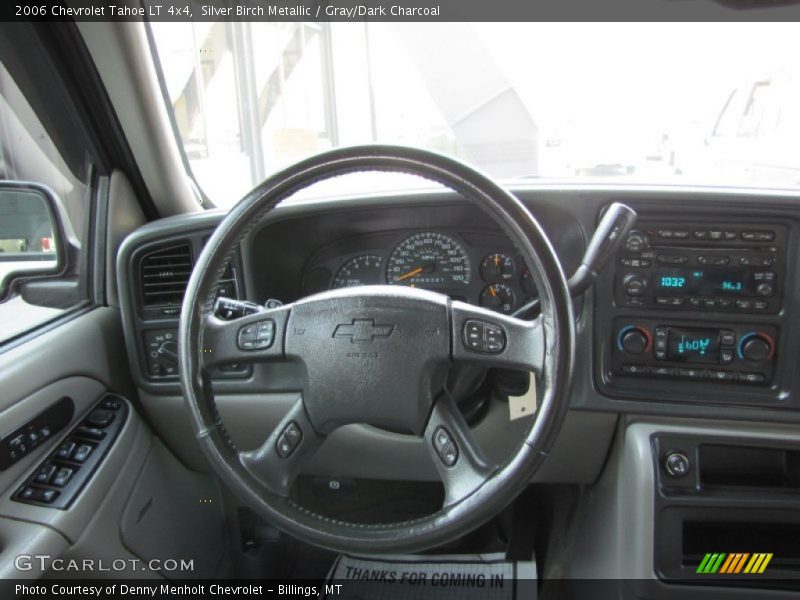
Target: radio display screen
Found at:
x=692, y=345
x=716, y=282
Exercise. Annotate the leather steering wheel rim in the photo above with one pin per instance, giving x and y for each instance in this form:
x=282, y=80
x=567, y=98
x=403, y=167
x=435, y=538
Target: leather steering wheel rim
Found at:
x=555, y=329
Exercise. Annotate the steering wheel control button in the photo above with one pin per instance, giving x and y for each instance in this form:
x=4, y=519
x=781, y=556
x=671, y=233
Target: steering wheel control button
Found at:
x=257, y=336
x=289, y=440
x=677, y=464
x=484, y=337
x=445, y=447
x=441, y=437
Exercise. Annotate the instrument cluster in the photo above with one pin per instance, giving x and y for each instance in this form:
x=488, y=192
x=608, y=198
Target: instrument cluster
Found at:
x=477, y=268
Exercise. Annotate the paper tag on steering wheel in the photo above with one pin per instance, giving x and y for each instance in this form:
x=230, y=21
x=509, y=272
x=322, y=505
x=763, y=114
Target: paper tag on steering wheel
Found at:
x=523, y=406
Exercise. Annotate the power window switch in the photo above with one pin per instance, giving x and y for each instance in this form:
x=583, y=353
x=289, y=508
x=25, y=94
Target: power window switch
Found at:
x=45, y=473
x=65, y=451
x=82, y=453
x=62, y=477
x=47, y=496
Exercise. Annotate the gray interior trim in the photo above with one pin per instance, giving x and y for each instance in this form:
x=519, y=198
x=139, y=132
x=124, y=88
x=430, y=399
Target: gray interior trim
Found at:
x=124, y=216
x=122, y=57
x=122, y=464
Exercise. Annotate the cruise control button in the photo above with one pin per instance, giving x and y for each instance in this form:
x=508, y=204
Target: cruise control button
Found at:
x=257, y=336
x=484, y=337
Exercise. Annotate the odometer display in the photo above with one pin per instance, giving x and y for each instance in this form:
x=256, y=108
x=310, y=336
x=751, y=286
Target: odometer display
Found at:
x=429, y=260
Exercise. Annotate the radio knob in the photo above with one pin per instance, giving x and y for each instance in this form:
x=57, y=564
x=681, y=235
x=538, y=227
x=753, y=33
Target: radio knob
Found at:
x=764, y=289
x=756, y=347
x=634, y=284
x=636, y=241
x=634, y=342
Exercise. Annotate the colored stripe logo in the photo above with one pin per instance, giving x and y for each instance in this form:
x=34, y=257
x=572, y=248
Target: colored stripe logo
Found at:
x=734, y=563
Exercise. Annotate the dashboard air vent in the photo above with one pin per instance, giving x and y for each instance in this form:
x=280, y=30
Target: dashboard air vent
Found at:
x=164, y=274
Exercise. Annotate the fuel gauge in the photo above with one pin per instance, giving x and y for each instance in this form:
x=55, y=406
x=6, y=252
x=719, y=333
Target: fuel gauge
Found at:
x=499, y=297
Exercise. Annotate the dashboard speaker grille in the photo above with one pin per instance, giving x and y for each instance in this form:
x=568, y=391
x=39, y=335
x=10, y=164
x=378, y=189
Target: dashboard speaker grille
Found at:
x=164, y=274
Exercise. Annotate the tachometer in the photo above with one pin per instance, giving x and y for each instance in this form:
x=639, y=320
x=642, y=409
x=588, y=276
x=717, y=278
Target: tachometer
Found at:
x=361, y=270
x=429, y=260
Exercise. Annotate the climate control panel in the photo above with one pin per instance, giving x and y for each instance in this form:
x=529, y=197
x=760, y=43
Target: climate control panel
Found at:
x=728, y=353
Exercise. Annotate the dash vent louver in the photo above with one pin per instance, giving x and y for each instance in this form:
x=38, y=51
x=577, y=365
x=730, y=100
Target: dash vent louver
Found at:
x=164, y=274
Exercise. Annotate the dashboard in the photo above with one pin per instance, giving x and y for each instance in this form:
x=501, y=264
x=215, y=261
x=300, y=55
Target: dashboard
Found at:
x=694, y=312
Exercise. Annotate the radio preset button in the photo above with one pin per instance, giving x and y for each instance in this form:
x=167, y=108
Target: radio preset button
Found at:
x=713, y=260
x=672, y=259
x=721, y=375
x=634, y=369
x=714, y=235
x=701, y=234
x=758, y=236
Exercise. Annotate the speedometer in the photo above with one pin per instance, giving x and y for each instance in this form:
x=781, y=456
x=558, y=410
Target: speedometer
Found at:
x=429, y=260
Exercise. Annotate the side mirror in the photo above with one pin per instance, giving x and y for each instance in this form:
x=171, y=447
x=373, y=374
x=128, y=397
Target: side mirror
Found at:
x=38, y=248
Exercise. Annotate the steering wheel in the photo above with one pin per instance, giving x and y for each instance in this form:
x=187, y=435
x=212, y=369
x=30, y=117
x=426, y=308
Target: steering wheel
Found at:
x=378, y=355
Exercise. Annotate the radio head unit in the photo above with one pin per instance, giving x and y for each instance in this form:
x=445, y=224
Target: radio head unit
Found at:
x=727, y=268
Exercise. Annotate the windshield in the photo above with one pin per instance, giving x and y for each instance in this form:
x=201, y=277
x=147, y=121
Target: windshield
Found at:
x=643, y=103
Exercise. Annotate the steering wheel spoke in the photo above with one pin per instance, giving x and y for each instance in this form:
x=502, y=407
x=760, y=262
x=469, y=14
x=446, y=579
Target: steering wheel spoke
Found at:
x=278, y=460
x=458, y=457
x=251, y=338
x=495, y=340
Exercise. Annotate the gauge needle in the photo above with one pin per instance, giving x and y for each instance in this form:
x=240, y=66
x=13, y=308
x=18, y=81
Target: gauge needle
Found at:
x=492, y=292
x=416, y=271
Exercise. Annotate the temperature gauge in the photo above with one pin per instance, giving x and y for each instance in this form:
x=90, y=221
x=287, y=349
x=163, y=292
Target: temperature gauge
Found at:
x=499, y=297
x=497, y=267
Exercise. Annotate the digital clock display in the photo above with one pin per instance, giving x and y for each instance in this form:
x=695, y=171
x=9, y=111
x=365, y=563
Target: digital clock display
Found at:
x=672, y=282
x=686, y=344
x=705, y=282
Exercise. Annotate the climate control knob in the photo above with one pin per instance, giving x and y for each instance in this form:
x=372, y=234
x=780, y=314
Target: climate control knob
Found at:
x=634, y=284
x=634, y=340
x=756, y=347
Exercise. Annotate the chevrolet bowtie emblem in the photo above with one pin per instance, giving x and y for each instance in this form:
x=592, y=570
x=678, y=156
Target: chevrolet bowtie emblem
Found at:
x=362, y=330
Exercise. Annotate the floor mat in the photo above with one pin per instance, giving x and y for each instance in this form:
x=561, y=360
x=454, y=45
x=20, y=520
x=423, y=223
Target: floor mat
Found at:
x=433, y=577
